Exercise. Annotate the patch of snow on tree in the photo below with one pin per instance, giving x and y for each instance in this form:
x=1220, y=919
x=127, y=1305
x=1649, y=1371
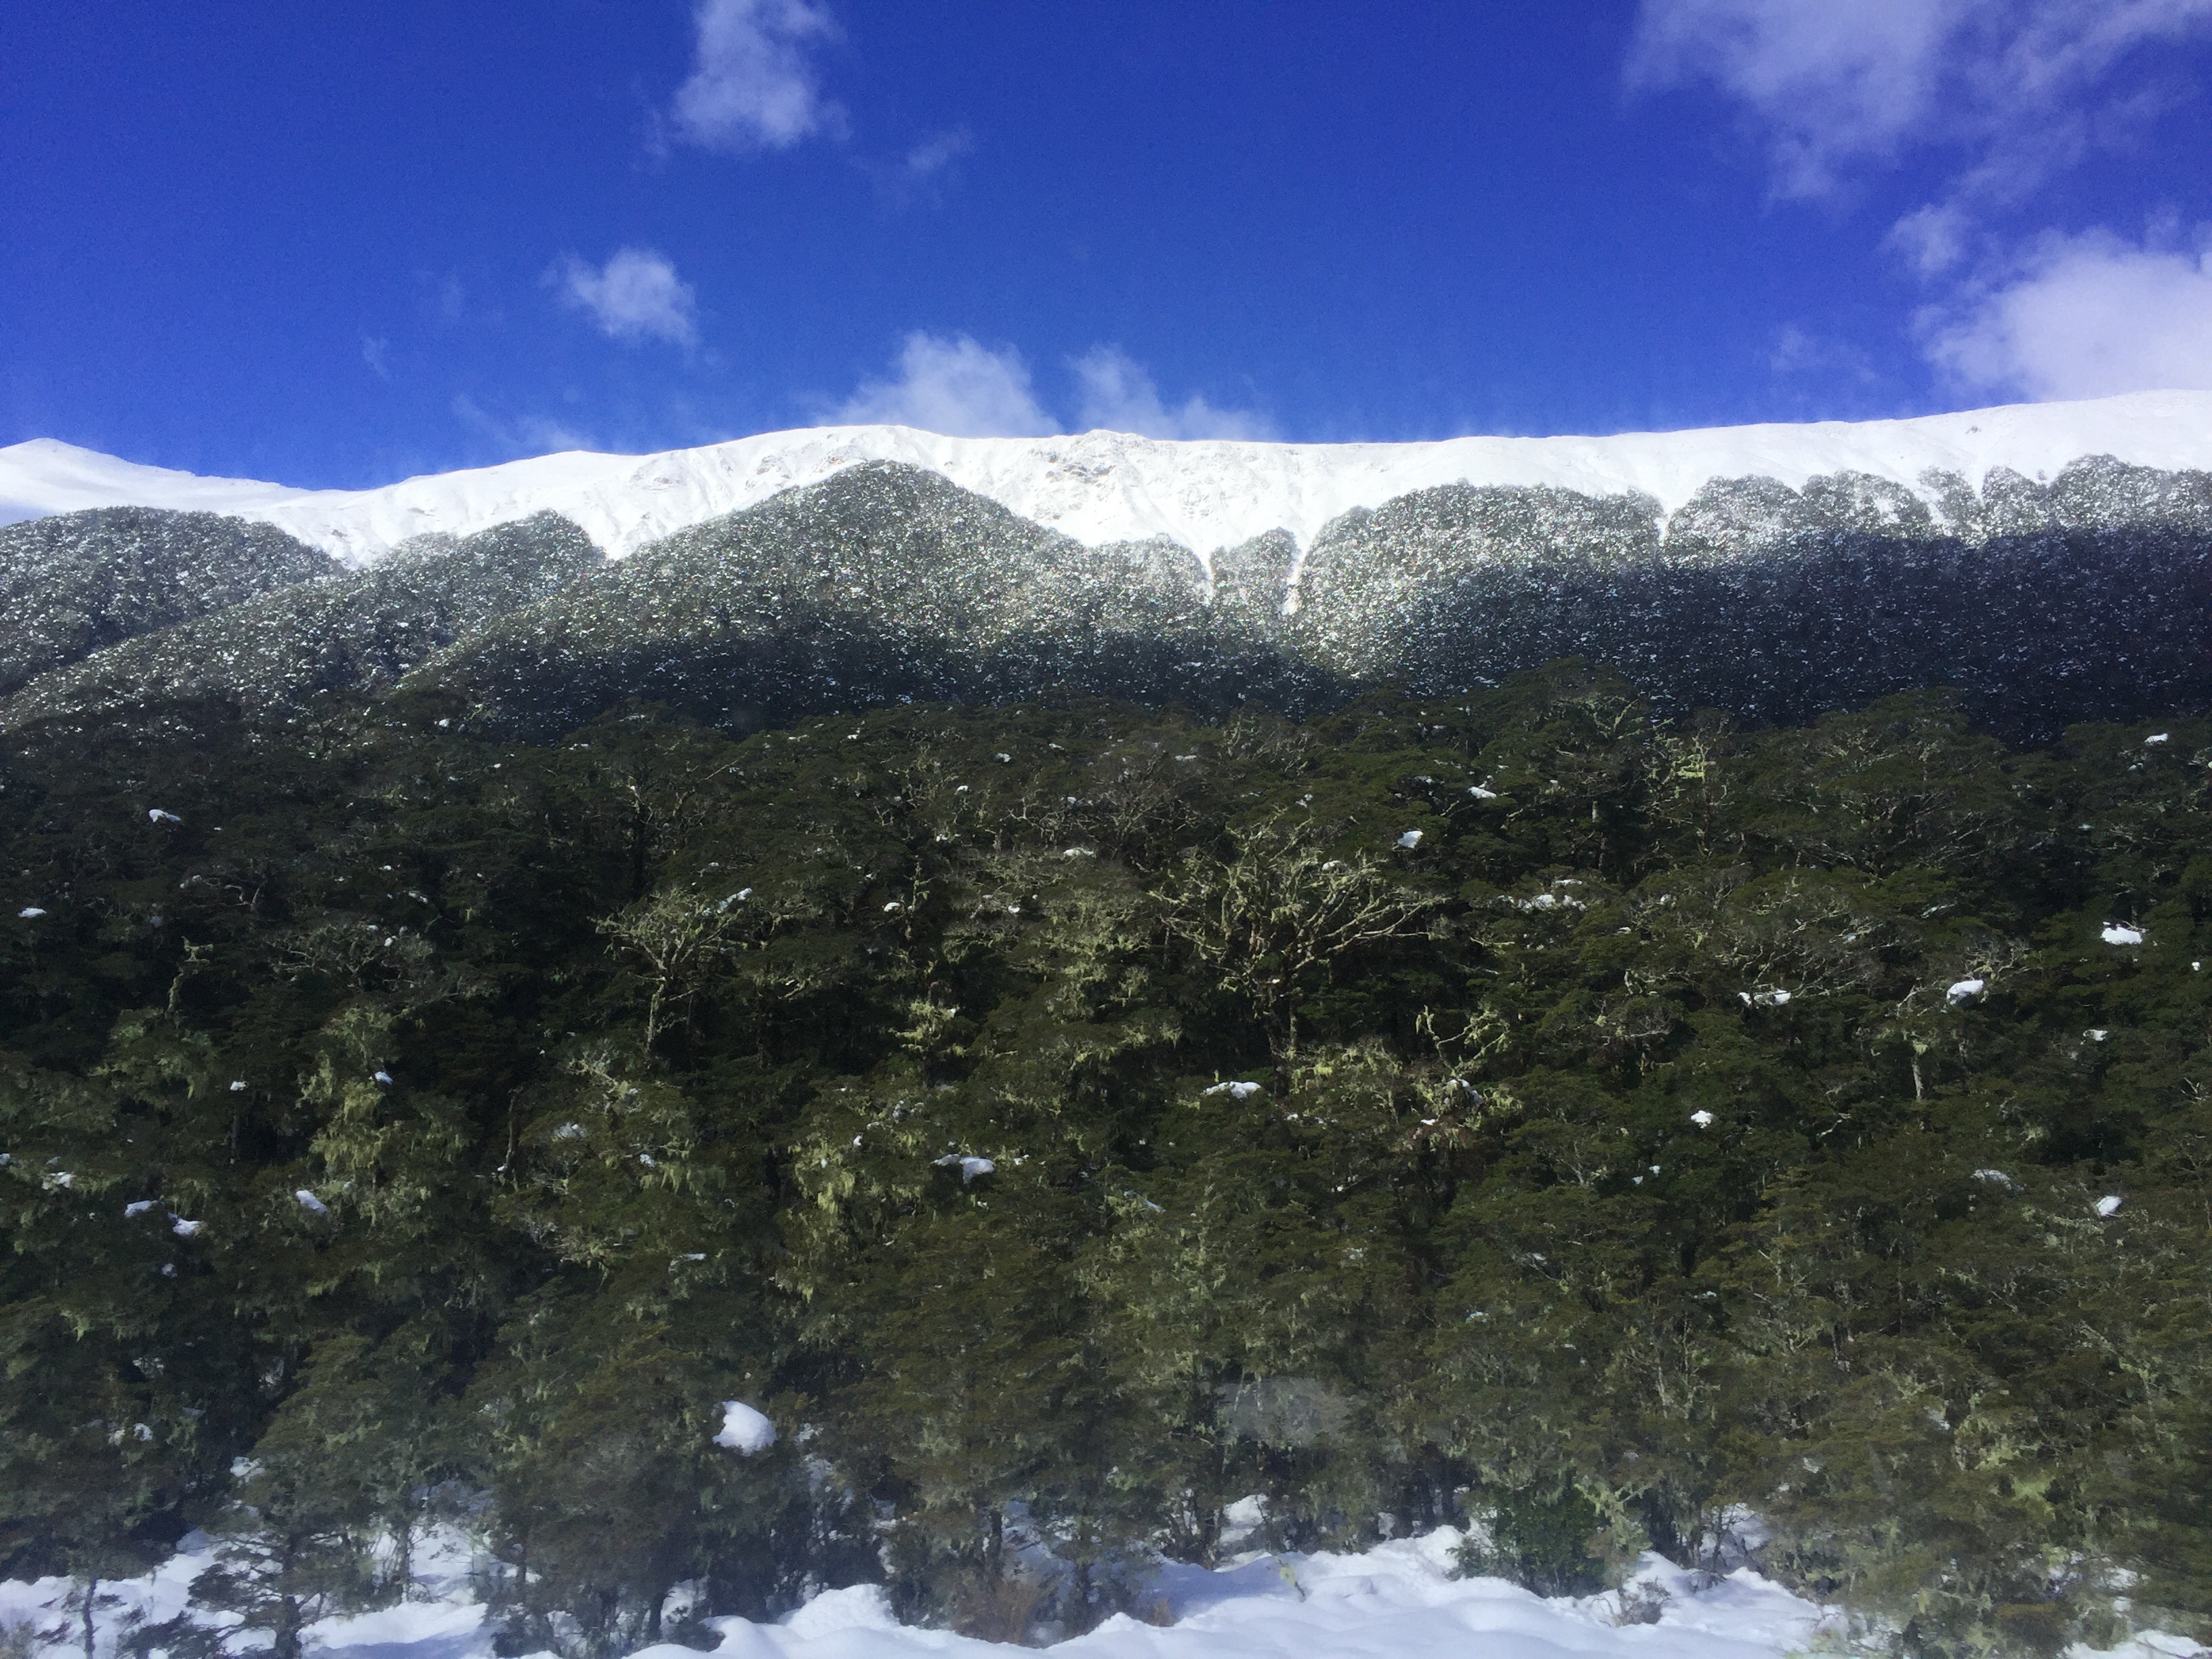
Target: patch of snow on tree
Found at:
x=744, y=1429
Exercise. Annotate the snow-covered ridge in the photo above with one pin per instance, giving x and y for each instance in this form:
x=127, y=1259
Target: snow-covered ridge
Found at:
x=1110, y=486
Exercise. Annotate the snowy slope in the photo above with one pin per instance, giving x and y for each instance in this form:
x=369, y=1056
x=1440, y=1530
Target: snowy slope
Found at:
x=1108, y=486
x=1396, y=1601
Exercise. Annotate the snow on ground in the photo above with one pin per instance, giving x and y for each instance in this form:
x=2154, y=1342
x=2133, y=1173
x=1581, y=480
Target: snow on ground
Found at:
x=1112, y=486
x=1395, y=1602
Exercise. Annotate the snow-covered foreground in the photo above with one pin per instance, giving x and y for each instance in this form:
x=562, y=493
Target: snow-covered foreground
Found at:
x=1102, y=487
x=1395, y=1602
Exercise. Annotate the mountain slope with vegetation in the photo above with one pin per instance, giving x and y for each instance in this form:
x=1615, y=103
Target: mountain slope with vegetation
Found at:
x=357, y=631
x=79, y=582
x=2084, y=598
x=1076, y=1116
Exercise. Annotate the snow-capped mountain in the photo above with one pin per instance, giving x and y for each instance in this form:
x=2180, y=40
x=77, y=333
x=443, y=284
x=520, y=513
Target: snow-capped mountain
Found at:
x=1104, y=487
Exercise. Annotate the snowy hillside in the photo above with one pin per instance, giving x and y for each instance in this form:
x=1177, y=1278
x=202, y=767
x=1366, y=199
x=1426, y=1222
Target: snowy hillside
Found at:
x=1101, y=487
x=1398, y=1600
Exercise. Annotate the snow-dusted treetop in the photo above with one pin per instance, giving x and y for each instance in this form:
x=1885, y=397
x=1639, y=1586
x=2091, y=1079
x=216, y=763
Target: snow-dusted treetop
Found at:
x=1110, y=486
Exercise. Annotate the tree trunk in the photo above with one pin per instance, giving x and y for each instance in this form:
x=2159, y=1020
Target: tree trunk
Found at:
x=91, y=1600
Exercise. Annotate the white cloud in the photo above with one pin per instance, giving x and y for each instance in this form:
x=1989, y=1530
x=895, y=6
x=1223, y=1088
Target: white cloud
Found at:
x=752, y=85
x=1833, y=85
x=954, y=386
x=1119, y=394
x=376, y=352
x=2082, y=316
x=635, y=296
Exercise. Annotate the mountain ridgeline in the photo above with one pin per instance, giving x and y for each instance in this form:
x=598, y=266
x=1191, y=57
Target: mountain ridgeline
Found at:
x=2084, y=598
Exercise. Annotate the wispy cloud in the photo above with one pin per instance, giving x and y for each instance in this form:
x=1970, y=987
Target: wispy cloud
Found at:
x=2013, y=87
x=2082, y=316
x=518, y=435
x=753, y=84
x=635, y=297
x=953, y=385
x=920, y=175
x=937, y=152
x=1798, y=351
x=1932, y=240
x=376, y=352
x=1119, y=393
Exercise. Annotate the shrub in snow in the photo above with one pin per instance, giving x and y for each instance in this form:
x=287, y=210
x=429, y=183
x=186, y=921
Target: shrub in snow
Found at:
x=1702, y=1119
x=30, y=913
x=2120, y=934
x=1410, y=840
x=2108, y=1207
x=308, y=1201
x=969, y=1167
x=1238, y=1090
x=155, y=814
x=1965, y=991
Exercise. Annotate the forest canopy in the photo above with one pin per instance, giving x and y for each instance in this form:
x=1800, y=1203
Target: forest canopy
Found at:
x=1064, y=1118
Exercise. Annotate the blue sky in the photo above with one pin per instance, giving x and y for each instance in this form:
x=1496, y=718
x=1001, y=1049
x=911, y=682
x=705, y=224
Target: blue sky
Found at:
x=338, y=244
